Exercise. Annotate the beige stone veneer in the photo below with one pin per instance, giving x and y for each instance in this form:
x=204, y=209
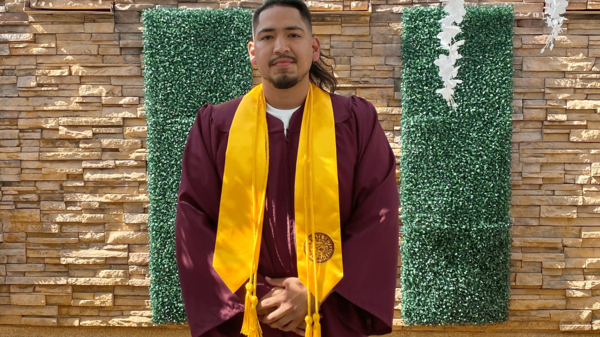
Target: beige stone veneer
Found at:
x=73, y=183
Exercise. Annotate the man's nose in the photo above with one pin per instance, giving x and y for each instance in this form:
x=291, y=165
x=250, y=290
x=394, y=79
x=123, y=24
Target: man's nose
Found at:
x=281, y=46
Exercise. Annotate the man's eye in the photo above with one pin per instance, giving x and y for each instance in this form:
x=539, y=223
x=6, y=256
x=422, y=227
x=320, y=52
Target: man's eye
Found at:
x=294, y=35
x=266, y=37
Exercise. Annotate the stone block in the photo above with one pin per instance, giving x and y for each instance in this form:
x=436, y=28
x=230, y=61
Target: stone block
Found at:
x=74, y=48
x=595, y=172
x=86, y=281
x=575, y=327
x=356, y=30
x=38, y=123
x=135, y=218
x=562, y=41
x=127, y=237
x=16, y=37
x=585, y=303
x=121, y=144
x=91, y=237
x=555, y=243
x=559, y=211
x=109, y=130
x=103, y=27
x=129, y=27
x=139, y=259
x=578, y=293
x=69, y=59
x=22, y=215
x=58, y=300
x=112, y=273
x=529, y=280
x=14, y=310
x=26, y=81
x=386, y=50
x=525, y=211
x=68, y=321
x=117, y=174
x=75, y=132
x=120, y=100
x=70, y=5
x=127, y=17
x=536, y=304
x=131, y=291
x=53, y=289
x=571, y=316
x=99, y=90
x=8, y=79
x=10, y=319
x=135, y=132
x=584, y=135
x=326, y=29
x=91, y=121
x=79, y=70
x=46, y=28
x=558, y=64
x=27, y=299
x=534, y=136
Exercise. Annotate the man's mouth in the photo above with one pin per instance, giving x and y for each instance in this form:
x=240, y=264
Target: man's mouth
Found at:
x=283, y=62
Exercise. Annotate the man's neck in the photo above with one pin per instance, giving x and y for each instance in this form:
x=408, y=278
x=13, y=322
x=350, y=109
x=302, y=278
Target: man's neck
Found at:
x=286, y=98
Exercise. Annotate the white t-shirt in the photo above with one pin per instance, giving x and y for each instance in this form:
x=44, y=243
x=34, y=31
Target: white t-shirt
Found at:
x=283, y=115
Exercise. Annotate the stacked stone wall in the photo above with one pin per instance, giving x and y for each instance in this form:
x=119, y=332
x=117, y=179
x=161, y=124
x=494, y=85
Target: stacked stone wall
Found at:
x=73, y=182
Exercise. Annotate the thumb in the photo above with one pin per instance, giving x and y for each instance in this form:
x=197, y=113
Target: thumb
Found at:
x=277, y=282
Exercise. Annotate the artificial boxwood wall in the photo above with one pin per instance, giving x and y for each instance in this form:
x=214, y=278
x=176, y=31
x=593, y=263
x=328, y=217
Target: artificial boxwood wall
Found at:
x=455, y=171
x=191, y=57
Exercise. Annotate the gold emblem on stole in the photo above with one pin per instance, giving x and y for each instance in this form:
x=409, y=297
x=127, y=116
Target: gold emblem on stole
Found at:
x=323, y=247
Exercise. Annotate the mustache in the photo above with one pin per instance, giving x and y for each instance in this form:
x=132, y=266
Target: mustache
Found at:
x=287, y=57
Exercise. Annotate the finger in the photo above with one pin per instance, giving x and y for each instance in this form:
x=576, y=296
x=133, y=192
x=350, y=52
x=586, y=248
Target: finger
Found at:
x=278, y=282
x=293, y=324
x=272, y=293
x=264, y=311
x=271, y=302
x=302, y=325
x=275, y=315
x=282, y=322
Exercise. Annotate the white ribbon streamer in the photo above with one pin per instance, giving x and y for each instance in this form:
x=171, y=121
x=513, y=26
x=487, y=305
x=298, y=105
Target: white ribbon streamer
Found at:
x=456, y=11
x=552, y=14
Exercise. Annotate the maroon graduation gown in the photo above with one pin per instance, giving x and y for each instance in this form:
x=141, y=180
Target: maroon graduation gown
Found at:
x=362, y=302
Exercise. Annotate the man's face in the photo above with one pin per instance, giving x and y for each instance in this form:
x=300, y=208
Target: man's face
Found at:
x=283, y=47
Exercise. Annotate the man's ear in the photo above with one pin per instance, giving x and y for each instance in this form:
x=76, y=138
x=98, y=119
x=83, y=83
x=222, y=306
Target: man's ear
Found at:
x=251, y=54
x=316, y=47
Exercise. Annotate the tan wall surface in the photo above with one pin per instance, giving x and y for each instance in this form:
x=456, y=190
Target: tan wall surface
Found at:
x=73, y=190
x=20, y=331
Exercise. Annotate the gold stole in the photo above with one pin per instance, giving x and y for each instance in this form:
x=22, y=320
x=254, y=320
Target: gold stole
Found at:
x=318, y=234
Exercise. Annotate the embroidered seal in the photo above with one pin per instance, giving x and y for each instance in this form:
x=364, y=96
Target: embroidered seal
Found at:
x=323, y=247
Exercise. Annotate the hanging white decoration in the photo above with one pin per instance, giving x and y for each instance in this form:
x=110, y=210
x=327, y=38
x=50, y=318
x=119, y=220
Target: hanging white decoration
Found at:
x=552, y=14
x=448, y=72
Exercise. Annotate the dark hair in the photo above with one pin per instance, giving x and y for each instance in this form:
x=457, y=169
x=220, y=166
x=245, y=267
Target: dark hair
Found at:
x=318, y=73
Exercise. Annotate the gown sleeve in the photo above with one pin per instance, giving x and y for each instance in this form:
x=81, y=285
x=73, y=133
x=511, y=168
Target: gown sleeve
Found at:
x=212, y=309
x=364, y=298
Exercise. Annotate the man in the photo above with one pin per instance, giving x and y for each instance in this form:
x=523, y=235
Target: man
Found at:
x=281, y=177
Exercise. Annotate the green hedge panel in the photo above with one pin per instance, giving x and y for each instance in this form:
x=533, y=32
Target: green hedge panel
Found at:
x=455, y=171
x=191, y=57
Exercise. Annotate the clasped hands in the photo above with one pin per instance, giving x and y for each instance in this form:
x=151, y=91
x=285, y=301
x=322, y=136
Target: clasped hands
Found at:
x=285, y=306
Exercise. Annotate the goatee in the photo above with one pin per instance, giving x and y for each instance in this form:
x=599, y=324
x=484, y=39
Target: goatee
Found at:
x=285, y=82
